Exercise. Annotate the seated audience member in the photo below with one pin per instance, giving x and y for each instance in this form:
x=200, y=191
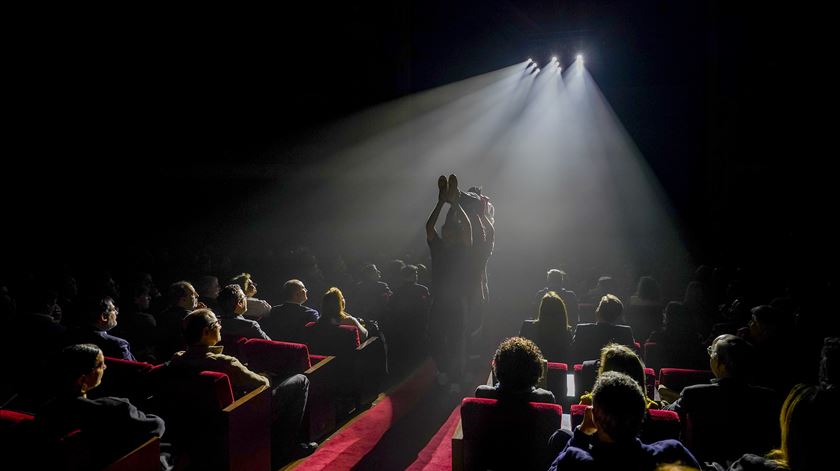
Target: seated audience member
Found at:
x=208, y=291
x=644, y=311
x=111, y=426
x=699, y=308
x=408, y=315
x=770, y=331
x=606, y=285
x=326, y=337
x=589, y=339
x=729, y=417
x=286, y=321
x=181, y=300
x=677, y=342
x=805, y=443
x=232, y=305
x=98, y=315
x=608, y=437
x=615, y=357
x=137, y=326
x=517, y=366
x=555, y=281
x=257, y=308
x=203, y=331
x=370, y=296
x=550, y=330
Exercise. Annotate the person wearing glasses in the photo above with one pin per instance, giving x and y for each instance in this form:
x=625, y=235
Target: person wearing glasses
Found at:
x=98, y=315
x=202, y=331
x=729, y=417
x=232, y=305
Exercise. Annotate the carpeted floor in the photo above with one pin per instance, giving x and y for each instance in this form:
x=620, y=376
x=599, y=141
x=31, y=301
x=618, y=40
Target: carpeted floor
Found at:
x=349, y=446
x=437, y=455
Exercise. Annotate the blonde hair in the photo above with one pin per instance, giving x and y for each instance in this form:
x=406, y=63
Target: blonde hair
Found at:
x=332, y=305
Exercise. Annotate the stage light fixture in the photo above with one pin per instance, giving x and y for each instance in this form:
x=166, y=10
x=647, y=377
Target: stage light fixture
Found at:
x=580, y=57
x=554, y=59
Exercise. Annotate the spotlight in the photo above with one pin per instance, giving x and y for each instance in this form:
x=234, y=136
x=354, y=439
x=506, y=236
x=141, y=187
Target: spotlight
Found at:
x=538, y=70
x=580, y=57
x=530, y=60
x=554, y=59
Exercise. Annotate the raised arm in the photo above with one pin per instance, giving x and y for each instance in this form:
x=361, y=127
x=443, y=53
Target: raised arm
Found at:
x=466, y=226
x=430, y=223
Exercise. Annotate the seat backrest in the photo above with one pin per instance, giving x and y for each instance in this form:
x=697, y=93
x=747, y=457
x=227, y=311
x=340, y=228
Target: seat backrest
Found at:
x=233, y=345
x=585, y=375
x=281, y=359
x=658, y=424
x=507, y=435
x=650, y=382
x=329, y=340
x=556, y=379
x=124, y=378
x=651, y=353
x=678, y=378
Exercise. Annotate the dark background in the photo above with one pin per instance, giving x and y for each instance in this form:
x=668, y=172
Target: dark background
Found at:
x=137, y=127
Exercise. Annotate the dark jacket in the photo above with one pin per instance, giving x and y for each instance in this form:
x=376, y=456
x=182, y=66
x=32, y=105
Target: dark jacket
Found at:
x=729, y=418
x=285, y=322
x=531, y=394
x=555, y=346
x=584, y=453
x=238, y=326
x=589, y=339
x=111, y=346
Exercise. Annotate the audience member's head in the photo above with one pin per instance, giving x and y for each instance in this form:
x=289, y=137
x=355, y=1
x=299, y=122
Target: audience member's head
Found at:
x=332, y=306
x=695, y=295
x=517, y=364
x=80, y=368
x=730, y=356
x=768, y=324
x=620, y=358
x=675, y=318
x=618, y=407
x=371, y=273
x=555, y=279
x=648, y=289
x=246, y=282
x=141, y=297
x=609, y=309
x=294, y=292
x=98, y=312
x=208, y=286
x=393, y=270
x=408, y=274
x=232, y=301
x=201, y=327
x=606, y=284
x=553, y=311
x=182, y=294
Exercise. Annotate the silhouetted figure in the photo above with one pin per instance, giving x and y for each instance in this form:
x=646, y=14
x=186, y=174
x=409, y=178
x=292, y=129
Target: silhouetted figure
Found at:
x=677, y=342
x=517, y=367
x=408, y=314
x=98, y=315
x=555, y=280
x=326, y=337
x=136, y=325
x=778, y=366
x=729, y=417
x=370, y=295
x=589, y=339
x=644, y=311
x=450, y=275
x=550, y=330
x=208, y=288
x=181, y=300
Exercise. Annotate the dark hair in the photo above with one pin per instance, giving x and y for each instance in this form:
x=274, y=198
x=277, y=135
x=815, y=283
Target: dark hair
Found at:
x=770, y=317
x=91, y=308
x=517, y=363
x=618, y=405
x=648, y=289
x=194, y=323
x=675, y=318
x=229, y=296
x=610, y=308
x=290, y=288
x=555, y=277
x=408, y=273
x=205, y=282
x=734, y=352
x=77, y=360
x=176, y=291
x=620, y=358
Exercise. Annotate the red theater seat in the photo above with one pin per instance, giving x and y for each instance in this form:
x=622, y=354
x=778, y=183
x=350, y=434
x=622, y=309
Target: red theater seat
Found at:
x=555, y=380
x=658, y=424
x=499, y=435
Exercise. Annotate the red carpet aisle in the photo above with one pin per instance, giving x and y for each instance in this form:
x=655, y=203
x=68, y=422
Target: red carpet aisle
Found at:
x=348, y=446
x=437, y=455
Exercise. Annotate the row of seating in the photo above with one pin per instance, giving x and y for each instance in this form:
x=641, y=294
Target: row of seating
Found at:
x=213, y=430
x=515, y=436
